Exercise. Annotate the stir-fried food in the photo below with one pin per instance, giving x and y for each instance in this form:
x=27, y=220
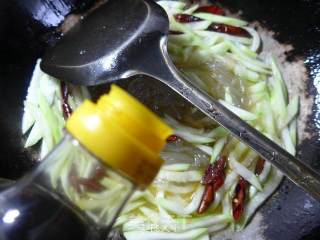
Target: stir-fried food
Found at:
x=188, y=200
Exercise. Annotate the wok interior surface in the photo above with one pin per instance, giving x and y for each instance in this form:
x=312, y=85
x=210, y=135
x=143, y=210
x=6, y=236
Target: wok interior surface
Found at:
x=25, y=31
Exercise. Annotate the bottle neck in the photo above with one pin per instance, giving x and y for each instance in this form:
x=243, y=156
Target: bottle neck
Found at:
x=72, y=174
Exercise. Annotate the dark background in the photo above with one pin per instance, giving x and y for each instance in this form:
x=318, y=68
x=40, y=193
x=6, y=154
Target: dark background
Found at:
x=28, y=26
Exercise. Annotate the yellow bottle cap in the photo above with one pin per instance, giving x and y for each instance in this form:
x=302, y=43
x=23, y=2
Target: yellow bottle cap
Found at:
x=122, y=133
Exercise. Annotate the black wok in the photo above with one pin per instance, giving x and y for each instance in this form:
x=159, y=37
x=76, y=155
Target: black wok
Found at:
x=28, y=26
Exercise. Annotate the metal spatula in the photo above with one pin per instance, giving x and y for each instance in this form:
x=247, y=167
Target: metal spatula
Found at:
x=129, y=37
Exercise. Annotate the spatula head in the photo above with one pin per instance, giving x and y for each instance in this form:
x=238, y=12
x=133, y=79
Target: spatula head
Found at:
x=114, y=42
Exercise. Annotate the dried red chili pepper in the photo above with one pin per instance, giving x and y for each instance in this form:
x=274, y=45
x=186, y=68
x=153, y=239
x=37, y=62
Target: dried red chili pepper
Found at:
x=207, y=198
x=239, y=198
x=66, y=109
x=175, y=32
x=240, y=191
x=213, y=179
x=224, y=28
x=214, y=9
x=99, y=173
x=73, y=179
x=259, y=167
x=91, y=184
x=172, y=138
x=186, y=18
x=214, y=174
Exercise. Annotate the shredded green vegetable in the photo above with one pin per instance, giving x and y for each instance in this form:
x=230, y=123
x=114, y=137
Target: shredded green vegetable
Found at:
x=230, y=69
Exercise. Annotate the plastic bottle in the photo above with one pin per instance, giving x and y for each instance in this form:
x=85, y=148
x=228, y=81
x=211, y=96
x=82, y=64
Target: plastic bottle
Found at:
x=109, y=150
